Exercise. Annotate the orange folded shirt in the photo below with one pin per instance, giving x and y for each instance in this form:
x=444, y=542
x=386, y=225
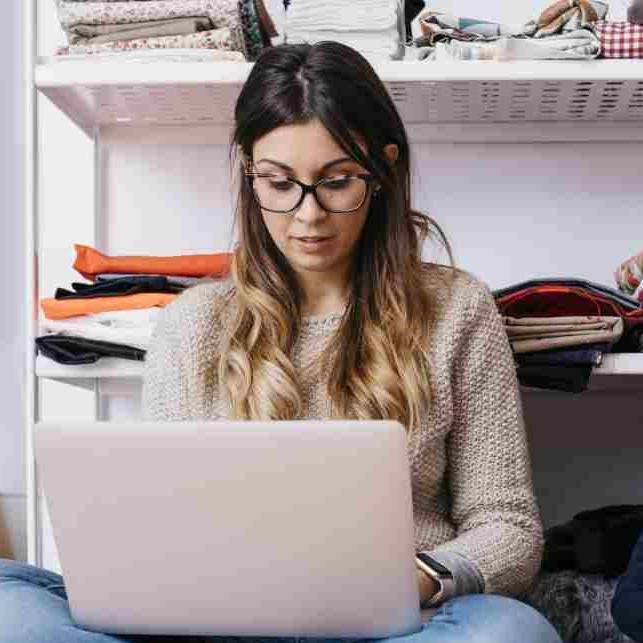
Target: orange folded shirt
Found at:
x=89, y=263
x=63, y=308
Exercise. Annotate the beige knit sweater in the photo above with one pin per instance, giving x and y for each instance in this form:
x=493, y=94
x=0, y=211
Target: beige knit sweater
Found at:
x=473, y=501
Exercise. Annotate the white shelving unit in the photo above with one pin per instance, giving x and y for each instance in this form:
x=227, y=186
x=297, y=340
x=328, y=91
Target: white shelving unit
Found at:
x=438, y=101
x=192, y=104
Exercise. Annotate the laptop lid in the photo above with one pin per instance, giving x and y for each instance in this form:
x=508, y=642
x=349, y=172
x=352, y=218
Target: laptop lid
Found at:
x=294, y=528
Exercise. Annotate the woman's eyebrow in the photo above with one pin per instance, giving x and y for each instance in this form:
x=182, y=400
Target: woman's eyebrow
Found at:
x=323, y=167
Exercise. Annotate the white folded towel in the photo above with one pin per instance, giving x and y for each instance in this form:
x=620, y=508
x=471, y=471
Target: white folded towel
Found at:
x=339, y=15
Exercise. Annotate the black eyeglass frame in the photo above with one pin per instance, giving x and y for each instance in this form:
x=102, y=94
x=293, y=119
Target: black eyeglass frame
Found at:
x=369, y=179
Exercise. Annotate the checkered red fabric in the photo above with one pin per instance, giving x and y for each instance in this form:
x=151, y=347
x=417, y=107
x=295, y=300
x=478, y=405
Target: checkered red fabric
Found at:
x=620, y=39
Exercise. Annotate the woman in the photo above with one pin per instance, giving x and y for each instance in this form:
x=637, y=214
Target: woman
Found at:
x=330, y=312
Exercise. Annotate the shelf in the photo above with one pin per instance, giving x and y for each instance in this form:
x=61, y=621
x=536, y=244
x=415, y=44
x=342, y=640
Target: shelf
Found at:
x=593, y=95
x=625, y=371
x=107, y=369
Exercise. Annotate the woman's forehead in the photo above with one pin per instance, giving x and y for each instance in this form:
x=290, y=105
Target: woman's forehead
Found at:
x=302, y=146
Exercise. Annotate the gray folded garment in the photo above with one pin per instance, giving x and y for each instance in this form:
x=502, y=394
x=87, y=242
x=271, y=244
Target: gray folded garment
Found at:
x=83, y=34
x=530, y=334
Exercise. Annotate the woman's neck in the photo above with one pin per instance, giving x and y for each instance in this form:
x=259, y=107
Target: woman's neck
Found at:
x=323, y=294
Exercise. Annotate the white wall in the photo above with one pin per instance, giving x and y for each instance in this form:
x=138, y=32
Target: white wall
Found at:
x=12, y=482
x=511, y=211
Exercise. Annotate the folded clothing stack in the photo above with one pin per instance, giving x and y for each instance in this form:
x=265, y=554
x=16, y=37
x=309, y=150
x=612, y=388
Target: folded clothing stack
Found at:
x=559, y=329
x=232, y=30
x=629, y=276
x=115, y=315
x=564, y=30
x=375, y=28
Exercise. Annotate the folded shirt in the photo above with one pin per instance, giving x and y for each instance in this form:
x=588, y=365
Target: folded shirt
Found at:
x=134, y=318
x=339, y=15
x=99, y=34
x=88, y=327
x=174, y=280
x=590, y=355
x=118, y=287
x=529, y=334
x=77, y=350
x=61, y=309
x=90, y=262
x=220, y=40
x=222, y=13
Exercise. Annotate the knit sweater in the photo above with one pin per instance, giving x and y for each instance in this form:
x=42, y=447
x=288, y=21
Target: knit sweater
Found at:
x=473, y=502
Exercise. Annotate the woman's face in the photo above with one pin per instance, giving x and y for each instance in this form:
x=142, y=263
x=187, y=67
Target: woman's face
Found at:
x=312, y=239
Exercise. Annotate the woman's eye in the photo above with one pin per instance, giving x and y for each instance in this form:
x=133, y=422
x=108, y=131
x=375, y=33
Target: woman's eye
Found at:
x=337, y=182
x=281, y=185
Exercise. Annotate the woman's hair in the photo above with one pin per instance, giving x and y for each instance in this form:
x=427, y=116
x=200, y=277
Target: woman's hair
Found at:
x=378, y=360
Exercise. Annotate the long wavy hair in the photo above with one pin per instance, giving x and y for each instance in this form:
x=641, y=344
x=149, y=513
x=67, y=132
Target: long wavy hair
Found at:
x=377, y=362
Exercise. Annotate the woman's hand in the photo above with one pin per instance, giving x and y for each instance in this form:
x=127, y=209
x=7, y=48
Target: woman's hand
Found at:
x=427, y=585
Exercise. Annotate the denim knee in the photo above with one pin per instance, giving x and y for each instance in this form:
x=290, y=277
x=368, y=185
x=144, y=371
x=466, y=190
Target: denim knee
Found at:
x=511, y=620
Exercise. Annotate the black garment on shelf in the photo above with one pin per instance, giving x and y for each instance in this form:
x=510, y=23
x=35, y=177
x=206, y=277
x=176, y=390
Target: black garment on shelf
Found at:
x=411, y=9
x=119, y=287
x=67, y=349
x=586, y=355
x=572, y=378
x=594, y=542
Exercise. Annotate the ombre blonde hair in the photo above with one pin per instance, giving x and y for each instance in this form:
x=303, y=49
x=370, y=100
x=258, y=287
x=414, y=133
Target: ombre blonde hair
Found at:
x=377, y=363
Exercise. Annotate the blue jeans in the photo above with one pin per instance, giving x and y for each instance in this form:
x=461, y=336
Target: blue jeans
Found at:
x=34, y=609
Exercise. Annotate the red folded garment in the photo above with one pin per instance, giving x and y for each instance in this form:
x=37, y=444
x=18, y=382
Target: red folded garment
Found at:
x=89, y=263
x=561, y=301
x=620, y=39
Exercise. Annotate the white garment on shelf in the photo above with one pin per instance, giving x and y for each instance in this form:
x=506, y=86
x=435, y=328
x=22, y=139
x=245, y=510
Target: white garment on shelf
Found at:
x=375, y=28
x=118, y=330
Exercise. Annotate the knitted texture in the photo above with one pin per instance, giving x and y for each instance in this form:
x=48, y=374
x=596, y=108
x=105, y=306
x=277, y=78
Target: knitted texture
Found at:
x=470, y=468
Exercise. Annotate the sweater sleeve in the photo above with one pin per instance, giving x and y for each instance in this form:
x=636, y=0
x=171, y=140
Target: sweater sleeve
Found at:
x=165, y=381
x=489, y=470
x=627, y=604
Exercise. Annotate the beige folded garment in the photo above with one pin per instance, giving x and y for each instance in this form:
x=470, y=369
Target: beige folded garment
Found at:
x=522, y=332
x=526, y=327
x=555, y=321
x=553, y=336
x=99, y=34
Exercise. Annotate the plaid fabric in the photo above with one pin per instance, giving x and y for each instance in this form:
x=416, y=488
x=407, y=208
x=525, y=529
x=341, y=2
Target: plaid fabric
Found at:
x=620, y=39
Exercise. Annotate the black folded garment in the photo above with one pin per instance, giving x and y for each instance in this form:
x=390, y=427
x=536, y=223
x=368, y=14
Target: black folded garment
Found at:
x=67, y=349
x=572, y=378
x=586, y=355
x=119, y=287
x=411, y=9
x=595, y=542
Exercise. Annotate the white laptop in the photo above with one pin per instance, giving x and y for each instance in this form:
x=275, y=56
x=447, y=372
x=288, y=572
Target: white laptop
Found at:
x=301, y=528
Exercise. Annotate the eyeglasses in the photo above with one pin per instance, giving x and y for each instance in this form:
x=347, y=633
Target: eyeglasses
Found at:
x=337, y=194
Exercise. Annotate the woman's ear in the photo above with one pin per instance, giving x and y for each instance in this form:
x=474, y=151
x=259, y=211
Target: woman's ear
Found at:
x=391, y=153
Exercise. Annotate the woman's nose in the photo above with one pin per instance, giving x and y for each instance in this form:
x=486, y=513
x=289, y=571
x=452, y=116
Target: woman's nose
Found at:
x=309, y=209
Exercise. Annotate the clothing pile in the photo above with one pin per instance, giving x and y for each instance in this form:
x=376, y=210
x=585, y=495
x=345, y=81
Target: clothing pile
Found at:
x=629, y=276
x=563, y=30
x=114, y=315
x=228, y=30
x=559, y=329
x=375, y=28
x=582, y=562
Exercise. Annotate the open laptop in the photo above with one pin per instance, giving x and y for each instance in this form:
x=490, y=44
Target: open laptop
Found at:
x=299, y=528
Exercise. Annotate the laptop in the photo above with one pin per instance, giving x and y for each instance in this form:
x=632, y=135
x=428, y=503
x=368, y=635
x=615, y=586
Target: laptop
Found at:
x=288, y=528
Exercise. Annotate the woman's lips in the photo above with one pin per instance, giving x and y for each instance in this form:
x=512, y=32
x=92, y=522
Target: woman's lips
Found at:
x=313, y=243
